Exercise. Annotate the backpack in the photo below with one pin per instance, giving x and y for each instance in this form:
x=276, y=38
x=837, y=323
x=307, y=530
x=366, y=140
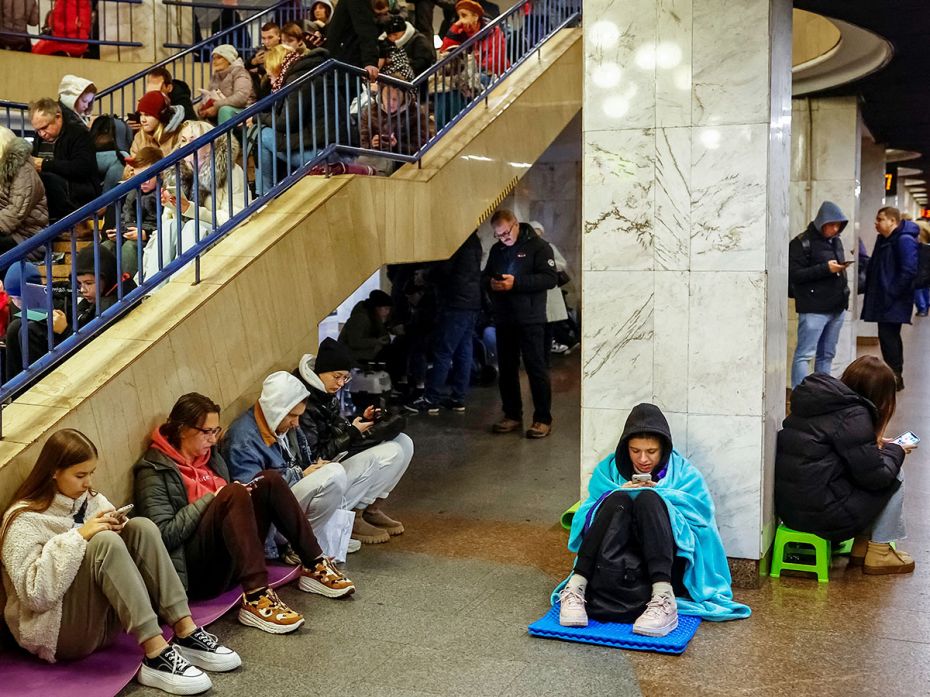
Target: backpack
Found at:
x=619, y=588
x=806, y=246
x=922, y=279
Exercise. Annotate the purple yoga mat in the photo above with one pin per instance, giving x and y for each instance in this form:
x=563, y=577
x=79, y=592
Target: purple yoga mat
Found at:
x=104, y=673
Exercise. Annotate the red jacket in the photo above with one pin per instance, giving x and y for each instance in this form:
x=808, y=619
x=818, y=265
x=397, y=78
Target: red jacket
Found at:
x=70, y=19
x=493, y=48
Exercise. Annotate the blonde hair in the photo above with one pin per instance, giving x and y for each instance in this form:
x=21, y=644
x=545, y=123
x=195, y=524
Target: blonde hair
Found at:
x=274, y=58
x=924, y=234
x=6, y=139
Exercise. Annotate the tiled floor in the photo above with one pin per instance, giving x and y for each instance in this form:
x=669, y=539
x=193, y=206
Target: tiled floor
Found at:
x=443, y=609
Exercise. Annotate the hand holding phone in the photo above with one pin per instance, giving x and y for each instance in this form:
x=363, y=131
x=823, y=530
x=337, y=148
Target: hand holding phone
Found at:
x=123, y=513
x=907, y=440
x=254, y=483
x=341, y=456
x=642, y=477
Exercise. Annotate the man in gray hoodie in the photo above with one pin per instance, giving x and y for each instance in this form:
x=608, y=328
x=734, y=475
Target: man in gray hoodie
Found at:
x=817, y=282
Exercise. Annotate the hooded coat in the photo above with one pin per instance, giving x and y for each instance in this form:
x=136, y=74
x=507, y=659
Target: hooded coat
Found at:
x=889, y=279
x=233, y=86
x=251, y=443
x=23, y=208
x=530, y=261
x=706, y=575
x=831, y=478
x=363, y=333
x=419, y=49
x=323, y=425
x=160, y=495
x=816, y=288
x=70, y=89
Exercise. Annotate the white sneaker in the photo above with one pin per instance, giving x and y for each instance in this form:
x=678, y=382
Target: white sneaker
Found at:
x=660, y=617
x=571, y=608
x=170, y=672
x=354, y=546
x=204, y=650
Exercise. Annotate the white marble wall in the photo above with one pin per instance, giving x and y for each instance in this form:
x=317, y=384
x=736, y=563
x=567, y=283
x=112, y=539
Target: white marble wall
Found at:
x=687, y=116
x=825, y=157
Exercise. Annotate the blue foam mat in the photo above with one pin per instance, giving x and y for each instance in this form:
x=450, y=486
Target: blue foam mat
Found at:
x=615, y=634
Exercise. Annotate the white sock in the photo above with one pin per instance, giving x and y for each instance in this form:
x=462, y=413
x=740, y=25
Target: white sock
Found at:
x=577, y=583
x=661, y=587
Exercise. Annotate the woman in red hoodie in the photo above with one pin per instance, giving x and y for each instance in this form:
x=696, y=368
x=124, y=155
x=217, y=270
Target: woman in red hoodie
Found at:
x=491, y=51
x=215, y=529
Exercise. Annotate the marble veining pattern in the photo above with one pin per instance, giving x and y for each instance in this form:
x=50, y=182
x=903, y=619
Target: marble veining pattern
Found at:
x=673, y=198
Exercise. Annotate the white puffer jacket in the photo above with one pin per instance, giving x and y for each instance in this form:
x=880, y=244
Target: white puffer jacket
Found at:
x=41, y=555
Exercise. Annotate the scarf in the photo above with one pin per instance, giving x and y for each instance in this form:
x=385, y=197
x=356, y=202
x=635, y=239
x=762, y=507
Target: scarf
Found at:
x=197, y=476
x=278, y=82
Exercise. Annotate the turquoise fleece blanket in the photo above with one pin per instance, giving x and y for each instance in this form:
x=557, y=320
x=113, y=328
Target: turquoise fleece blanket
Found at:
x=691, y=510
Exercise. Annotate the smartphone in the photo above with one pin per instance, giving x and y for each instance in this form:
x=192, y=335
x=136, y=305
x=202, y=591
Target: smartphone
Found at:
x=124, y=511
x=340, y=457
x=907, y=440
x=642, y=478
x=376, y=416
x=848, y=262
x=498, y=277
x=251, y=485
x=133, y=116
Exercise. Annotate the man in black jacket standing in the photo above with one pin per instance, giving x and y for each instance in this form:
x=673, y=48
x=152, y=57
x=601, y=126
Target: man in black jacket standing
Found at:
x=352, y=37
x=817, y=277
x=459, y=284
x=519, y=271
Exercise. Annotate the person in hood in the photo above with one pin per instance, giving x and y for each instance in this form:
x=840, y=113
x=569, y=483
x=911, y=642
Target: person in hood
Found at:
x=889, y=284
x=674, y=531
x=230, y=89
x=78, y=572
x=419, y=48
x=371, y=472
x=161, y=124
x=267, y=437
x=214, y=525
x=321, y=12
x=23, y=207
x=63, y=154
x=519, y=273
x=836, y=475
x=365, y=333
x=76, y=97
x=817, y=276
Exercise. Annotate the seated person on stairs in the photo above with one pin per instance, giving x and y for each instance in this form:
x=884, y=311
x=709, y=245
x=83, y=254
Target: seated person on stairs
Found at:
x=373, y=468
x=836, y=475
x=648, y=511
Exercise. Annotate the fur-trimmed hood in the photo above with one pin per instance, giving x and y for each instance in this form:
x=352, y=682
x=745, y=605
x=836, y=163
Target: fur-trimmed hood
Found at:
x=16, y=155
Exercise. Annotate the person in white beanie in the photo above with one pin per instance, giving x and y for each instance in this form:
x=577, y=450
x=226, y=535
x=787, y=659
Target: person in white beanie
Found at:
x=230, y=90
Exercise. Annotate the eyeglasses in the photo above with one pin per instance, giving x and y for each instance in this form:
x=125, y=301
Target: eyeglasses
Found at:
x=209, y=431
x=344, y=379
x=499, y=235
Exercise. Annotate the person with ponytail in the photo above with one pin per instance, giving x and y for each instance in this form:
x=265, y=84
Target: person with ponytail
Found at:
x=836, y=475
x=77, y=572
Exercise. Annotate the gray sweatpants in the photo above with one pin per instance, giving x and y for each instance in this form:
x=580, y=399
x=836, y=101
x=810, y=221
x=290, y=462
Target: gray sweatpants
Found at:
x=122, y=575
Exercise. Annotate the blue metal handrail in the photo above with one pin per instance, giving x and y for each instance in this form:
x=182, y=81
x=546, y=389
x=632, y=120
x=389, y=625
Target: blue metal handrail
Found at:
x=194, y=227
x=73, y=40
x=15, y=116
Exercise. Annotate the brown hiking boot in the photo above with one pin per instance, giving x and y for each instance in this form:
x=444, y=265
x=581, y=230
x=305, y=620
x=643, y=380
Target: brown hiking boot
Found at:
x=506, y=425
x=366, y=533
x=859, y=548
x=538, y=430
x=882, y=558
x=382, y=520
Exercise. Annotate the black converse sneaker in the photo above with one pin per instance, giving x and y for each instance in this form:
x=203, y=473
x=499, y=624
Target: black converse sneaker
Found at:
x=170, y=672
x=204, y=651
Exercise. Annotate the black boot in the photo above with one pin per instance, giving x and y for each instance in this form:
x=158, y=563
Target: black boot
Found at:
x=898, y=382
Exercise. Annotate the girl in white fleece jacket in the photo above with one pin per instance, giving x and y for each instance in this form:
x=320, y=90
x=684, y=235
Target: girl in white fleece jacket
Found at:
x=75, y=572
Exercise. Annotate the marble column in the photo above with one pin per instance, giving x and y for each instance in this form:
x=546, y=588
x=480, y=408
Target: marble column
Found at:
x=825, y=156
x=687, y=115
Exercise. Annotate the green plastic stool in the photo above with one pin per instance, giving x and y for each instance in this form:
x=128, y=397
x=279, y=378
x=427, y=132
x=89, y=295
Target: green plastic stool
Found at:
x=566, y=519
x=822, y=552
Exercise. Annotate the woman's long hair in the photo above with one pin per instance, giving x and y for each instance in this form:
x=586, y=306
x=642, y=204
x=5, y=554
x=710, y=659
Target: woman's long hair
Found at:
x=190, y=410
x=873, y=379
x=64, y=449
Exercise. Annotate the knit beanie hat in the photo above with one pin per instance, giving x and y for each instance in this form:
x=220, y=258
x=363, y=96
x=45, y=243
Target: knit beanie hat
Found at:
x=155, y=104
x=471, y=6
x=227, y=51
x=13, y=281
x=333, y=356
x=395, y=24
x=378, y=298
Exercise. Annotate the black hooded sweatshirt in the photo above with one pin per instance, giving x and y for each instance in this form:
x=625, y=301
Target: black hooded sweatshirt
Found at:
x=831, y=478
x=644, y=420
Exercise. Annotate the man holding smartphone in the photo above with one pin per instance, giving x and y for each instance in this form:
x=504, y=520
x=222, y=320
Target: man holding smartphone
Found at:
x=817, y=280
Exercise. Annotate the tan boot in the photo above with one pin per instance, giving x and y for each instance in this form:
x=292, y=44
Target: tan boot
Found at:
x=859, y=548
x=382, y=520
x=882, y=558
x=366, y=533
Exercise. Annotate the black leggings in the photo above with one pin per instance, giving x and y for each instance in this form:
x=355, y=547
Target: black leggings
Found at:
x=652, y=529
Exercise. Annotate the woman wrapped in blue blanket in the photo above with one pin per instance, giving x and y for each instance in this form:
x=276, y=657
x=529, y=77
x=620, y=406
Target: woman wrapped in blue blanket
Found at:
x=646, y=534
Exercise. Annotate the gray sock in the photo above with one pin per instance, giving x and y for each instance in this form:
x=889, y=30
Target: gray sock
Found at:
x=577, y=583
x=660, y=587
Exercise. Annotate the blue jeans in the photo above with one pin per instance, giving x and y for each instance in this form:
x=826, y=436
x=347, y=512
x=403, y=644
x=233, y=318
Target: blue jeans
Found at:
x=922, y=299
x=452, y=350
x=267, y=151
x=817, y=337
x=889, y=526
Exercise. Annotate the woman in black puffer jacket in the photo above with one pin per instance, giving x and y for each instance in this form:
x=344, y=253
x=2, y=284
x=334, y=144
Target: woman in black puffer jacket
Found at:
x=835, y=474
